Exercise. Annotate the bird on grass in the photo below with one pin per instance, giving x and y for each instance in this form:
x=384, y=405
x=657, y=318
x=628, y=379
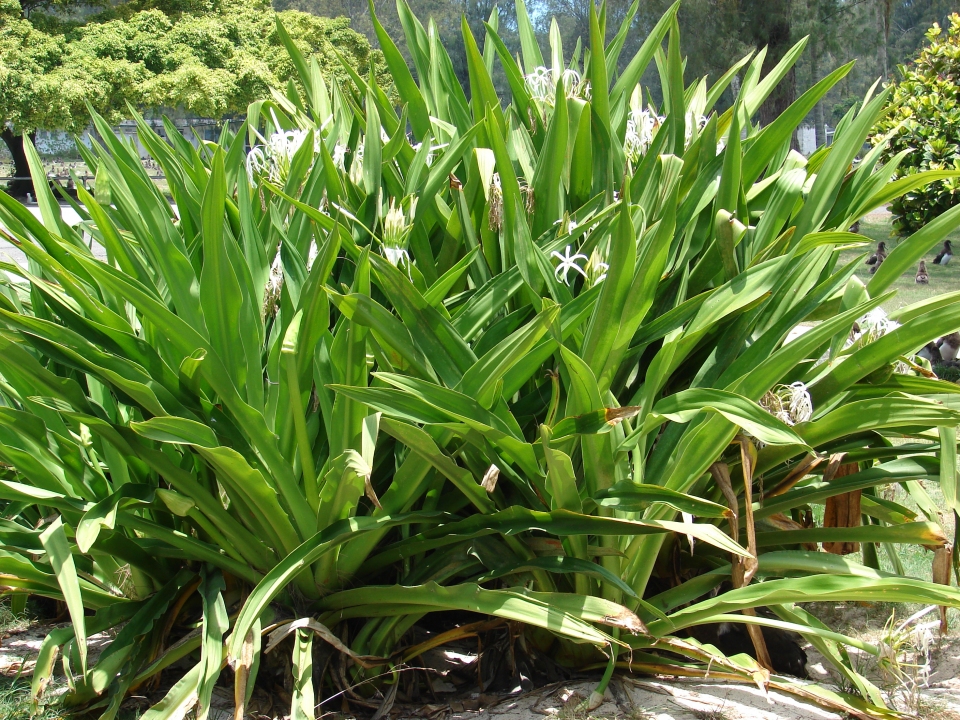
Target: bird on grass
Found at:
x=879, y=256
x=946, y=252
x=875, y=267
x=922, y=278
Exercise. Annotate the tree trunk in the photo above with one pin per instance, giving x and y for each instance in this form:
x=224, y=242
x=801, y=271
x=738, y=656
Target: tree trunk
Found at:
x=819, y=123
x=769, y=26
x=21, y=170
x=883, y=25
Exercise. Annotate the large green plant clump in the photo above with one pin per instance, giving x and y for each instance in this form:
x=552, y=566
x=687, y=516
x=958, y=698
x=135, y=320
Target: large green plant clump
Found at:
x=923, y=130
x=523, y=359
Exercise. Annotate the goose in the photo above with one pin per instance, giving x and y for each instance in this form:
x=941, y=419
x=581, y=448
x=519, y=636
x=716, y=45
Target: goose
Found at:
x=946, y=252
x=922, y=278
x=879, y=255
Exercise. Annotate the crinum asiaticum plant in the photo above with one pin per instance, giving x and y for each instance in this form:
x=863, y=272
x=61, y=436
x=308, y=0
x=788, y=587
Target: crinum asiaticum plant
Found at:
x=524, y=357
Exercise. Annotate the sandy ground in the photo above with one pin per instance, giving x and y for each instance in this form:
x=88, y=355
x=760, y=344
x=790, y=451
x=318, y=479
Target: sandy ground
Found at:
x=629, y=697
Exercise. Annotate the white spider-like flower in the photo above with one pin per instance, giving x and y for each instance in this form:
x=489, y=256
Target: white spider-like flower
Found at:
x=568, y=262
x=565, y=225
x=395, y=256
x=874, y=325
x=271, y=292
x=256, y=163
x=396, y=230
x=339, y=156
x=432, y=154
x=575, y=86
x=286, y=144
x=542, y=83
x=689, y=123
x=641, y=126
x=272, y=159
x=790, y=404
x=905, y=651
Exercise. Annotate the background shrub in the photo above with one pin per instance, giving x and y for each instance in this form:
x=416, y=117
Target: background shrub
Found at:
x=925, y=125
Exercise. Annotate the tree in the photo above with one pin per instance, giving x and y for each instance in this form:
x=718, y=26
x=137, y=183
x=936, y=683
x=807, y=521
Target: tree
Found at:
x=925, y=122
x=206, y=58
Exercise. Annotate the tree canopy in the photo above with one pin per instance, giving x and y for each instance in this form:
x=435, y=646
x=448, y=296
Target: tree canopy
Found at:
x=210, y=58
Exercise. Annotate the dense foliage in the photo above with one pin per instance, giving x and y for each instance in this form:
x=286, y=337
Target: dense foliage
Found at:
x=879, y=34
x=528, y=361
x=923, y=130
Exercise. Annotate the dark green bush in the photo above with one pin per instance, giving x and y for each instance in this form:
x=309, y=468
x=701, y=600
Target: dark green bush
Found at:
x=925, y=120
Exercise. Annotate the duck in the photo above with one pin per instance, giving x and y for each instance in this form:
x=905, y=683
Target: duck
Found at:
x=946, y=252
x=931, y=352
x=879, y=256
x=922, y=278
x=948, y=346
x=879, y=262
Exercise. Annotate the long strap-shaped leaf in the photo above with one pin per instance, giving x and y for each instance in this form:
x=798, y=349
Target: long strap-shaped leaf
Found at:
x=55, y=542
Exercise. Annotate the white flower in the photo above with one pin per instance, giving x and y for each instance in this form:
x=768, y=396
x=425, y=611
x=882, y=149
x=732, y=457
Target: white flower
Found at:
x=394, y=225
x=271, y=292
x=272, y=159
x=340, y=156
x=689, y=124
x=395, y=255
x=568, y=262
x=432, y=153
x=574, y=86
x=256, y=163
x=542, y=83
x=396, y=229
x=790, y=404
x=875, y=324
x=641, y=126
x=565, y=225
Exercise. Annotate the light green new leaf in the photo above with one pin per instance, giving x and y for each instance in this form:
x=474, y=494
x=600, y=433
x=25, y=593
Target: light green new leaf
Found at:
x=55, y=542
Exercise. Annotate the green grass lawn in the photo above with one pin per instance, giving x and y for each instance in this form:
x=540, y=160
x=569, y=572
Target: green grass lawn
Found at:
x=942, y=279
